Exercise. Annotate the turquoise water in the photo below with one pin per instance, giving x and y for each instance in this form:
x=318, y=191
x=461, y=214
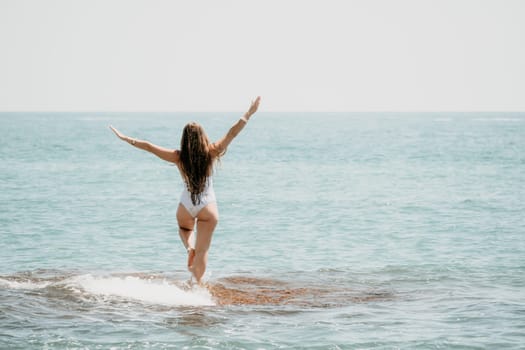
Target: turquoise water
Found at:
x=376, y=231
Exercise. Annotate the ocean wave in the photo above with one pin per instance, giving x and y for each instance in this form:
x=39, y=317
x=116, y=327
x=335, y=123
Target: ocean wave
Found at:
x=21, y=284
x=147, y=289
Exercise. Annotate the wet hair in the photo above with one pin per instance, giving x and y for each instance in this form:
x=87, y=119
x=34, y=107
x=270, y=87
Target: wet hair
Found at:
x=196, y=160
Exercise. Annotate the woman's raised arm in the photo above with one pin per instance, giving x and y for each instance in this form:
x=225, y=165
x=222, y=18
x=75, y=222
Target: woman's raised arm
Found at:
x=169, y=155
x=220, y=146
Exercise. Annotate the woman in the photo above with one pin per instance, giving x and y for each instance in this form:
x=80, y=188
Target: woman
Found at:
x=197, y=206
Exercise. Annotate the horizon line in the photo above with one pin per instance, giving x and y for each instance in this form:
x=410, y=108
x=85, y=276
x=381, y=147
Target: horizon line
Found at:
x=271, y=111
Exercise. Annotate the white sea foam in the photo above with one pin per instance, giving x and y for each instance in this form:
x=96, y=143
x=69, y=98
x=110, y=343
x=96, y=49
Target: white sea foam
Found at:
x=152, y=291
x=23, y=284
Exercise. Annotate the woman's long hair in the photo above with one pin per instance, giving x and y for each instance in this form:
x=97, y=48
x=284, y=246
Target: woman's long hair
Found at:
x=196, y=162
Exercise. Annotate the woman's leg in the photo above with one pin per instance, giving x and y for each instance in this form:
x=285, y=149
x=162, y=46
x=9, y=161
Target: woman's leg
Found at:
x=206, y=222
x=186, y=224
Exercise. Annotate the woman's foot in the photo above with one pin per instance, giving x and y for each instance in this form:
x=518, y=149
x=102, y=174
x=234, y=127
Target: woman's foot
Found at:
x=191, y=257
x=194, y=280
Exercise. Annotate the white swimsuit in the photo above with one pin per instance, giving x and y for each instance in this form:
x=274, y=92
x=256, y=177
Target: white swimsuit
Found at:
x=207, y=197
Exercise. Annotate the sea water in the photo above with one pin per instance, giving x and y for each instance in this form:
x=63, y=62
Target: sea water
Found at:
x=336, y=231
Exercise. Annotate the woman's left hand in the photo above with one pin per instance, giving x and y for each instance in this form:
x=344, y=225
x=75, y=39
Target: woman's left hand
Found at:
x=119, y=134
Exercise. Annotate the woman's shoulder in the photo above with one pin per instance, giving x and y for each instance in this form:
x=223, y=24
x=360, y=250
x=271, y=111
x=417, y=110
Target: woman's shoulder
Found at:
x=176, y=156
x=215, y=150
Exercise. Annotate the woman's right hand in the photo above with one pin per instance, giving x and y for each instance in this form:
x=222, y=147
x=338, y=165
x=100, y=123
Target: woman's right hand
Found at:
x=253, y=107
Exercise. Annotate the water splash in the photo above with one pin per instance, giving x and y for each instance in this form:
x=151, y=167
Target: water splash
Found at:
x=150, y=290
x=161, y=289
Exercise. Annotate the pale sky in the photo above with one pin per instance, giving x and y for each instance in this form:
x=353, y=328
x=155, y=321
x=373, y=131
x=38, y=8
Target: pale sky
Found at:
x=215, y=55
